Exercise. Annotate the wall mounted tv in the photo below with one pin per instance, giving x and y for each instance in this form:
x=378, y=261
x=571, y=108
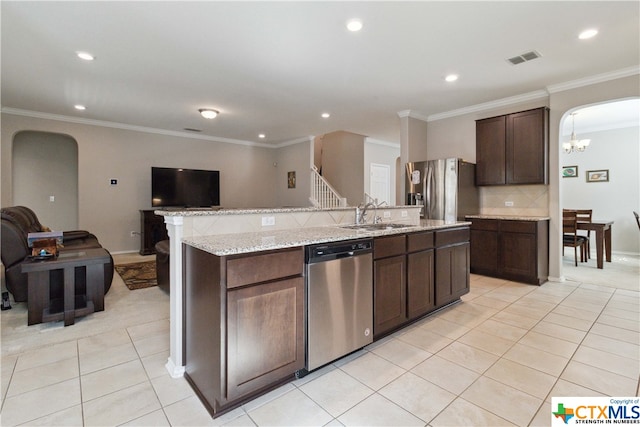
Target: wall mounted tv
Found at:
x=191, y=188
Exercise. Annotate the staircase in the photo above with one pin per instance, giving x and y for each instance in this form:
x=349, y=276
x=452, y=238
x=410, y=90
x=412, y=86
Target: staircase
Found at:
x=323, y=195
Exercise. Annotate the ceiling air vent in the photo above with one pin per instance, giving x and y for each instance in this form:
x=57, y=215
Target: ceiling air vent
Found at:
x=528, y=56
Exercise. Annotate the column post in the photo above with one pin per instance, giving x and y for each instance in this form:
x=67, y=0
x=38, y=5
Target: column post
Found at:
x=175, y=363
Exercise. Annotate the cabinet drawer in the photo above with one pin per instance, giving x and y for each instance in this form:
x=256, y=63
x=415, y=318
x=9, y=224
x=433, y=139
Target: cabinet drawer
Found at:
x=484, y=224
x=262, y=268
x=452, y=237
x=389, y=246
x=419, y=241
x=518, y=226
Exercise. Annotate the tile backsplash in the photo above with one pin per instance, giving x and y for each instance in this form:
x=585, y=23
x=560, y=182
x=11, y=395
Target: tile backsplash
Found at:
x=528, y=200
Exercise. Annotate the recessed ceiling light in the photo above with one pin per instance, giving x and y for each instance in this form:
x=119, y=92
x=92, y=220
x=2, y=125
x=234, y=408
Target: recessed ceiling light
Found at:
x=208, y=113
x=86, y=56
x=354, y=25
x=326, y=115
x=587, y=34
x=451, y=77
x=262, y=136
x=80, y=107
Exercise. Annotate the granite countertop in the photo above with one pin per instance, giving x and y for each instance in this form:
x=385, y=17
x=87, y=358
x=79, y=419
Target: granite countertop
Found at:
x=245, y=211
x=231, y=244
x=510, y=217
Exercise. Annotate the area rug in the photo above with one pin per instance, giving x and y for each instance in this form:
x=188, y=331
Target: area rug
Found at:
x=138, y=275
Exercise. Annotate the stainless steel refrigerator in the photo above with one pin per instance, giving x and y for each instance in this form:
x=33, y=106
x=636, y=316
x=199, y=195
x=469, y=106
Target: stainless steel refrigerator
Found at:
x=445, y=188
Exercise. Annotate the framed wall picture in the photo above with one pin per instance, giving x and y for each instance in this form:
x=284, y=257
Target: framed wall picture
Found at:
x=291, y=179
x=570, y=171
x=598, y=176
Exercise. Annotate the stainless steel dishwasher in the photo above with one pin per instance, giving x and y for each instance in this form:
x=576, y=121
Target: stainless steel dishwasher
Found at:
x=339, y=300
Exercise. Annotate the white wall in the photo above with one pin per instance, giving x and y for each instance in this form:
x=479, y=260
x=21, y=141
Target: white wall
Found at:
x=618, y=151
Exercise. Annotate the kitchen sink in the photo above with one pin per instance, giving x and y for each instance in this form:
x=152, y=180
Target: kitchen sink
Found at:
x=375, y=227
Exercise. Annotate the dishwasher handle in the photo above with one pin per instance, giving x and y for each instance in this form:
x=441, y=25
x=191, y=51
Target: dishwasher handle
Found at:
x=323, y=253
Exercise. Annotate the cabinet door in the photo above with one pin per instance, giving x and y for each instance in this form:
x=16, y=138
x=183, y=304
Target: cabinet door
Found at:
x=518, y=255
x=452, y=273
x=527, y=147
x=420, y=291
x=490, y=151
x=484, y=251
x=265, y=335
x=389, y=294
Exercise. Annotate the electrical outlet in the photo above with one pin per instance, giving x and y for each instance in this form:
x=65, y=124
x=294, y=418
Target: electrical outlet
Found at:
x=268, y=220
x=404, y=214
x=386, y=214
x=52, y=198
x=509, y=204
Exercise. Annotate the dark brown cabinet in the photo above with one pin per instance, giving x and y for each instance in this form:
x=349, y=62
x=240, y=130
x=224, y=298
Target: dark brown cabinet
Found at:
x=416, y=273
x=451, y=265
x=152, y=230
x=420, y=274
x=511, y=249
x=513, y=149
x=265, y=332
x=244, y=323
x=389, y=283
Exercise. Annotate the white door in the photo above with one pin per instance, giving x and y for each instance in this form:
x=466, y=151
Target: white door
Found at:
x=380, y=182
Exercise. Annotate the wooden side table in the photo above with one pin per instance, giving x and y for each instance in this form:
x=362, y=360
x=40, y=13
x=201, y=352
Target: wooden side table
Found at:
x=41, y=308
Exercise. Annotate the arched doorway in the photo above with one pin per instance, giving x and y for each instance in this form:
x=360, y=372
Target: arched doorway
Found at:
x=45, y=177
x=613, y=128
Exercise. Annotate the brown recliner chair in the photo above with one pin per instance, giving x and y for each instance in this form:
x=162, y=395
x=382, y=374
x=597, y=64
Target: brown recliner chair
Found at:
x=16, y=223
x=162, y=265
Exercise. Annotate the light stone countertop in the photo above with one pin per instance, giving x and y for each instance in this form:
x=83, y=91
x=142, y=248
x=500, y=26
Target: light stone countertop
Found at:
x=509, y=217
x=239, y=243
x=244, y=211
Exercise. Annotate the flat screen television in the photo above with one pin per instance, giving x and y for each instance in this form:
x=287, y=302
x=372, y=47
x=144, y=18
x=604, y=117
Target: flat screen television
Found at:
x=172, y=187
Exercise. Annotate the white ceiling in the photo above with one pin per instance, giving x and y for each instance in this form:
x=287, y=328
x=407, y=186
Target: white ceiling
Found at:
x=274, y=67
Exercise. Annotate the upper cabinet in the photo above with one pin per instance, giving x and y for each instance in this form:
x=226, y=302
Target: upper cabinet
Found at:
x=513, y=149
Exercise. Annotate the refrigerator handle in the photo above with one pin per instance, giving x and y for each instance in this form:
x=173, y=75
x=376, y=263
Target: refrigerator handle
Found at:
x=427, y=191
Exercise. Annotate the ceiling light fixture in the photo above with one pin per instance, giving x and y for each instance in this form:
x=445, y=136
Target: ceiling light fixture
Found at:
x=575, y=144
x=451, y=78
x=208, y=113
x=354, y=25
x=86, y=56
x=262, y=136
x=79, y=107
x=587, y=34
x=326, y=115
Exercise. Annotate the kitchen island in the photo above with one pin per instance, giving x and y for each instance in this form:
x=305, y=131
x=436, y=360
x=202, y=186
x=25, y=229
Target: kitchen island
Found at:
x=244, y=298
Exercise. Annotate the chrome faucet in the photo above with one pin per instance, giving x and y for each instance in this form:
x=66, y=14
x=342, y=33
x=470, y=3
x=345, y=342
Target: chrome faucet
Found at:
x=361, y=212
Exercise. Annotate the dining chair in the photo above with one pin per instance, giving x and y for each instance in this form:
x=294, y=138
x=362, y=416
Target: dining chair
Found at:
x=584, y=215
x=637, y=218
x=570, y=235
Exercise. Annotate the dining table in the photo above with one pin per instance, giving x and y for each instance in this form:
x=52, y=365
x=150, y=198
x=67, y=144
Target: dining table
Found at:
x=602, y=229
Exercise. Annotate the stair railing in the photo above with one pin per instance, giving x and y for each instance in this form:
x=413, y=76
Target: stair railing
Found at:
x=323, y=195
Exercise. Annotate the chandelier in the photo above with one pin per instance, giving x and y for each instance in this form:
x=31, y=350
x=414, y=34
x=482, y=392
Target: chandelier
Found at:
x=575, y=144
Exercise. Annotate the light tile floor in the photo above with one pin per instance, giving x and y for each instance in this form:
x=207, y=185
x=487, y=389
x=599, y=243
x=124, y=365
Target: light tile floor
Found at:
x=494, y=359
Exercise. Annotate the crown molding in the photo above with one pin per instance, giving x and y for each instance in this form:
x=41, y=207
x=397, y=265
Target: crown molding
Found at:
x=115, y=125
x=530, y=96
x=380, y=142
x=309, y=138
x=598, y=78
x=413, y=114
